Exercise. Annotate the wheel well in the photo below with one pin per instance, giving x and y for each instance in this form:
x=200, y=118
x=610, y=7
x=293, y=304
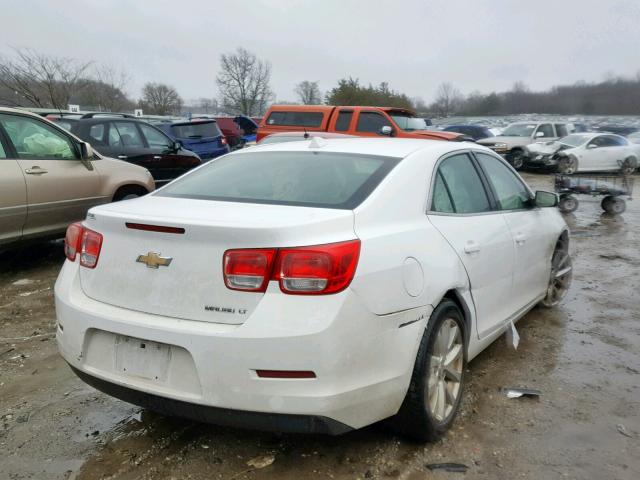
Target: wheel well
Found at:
x=456, y=298
x=128, y=189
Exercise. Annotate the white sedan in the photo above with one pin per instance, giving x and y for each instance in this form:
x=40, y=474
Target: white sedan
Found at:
x=315, y=286
x=585, y=152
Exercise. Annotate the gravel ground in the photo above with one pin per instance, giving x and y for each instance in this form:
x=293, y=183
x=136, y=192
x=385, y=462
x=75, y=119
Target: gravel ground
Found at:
x=584, y=356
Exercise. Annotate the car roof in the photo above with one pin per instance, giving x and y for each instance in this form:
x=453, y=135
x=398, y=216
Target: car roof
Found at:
x=386, y=147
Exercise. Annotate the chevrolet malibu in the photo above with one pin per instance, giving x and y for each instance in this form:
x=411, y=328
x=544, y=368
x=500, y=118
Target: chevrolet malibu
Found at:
x=314, y=286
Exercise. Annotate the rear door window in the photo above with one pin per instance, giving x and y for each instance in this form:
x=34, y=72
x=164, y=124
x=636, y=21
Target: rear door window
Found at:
x=546, y=129
x=96, y=133
x=344, y=120
x=462, y=182
x=298, y=119
x=561, y=130
x=313, y=179
x=371, y=122
x=196, y=130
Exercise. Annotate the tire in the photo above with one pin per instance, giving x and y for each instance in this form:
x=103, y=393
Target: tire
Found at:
x=568, y=165
x=615, y=206
x=568, y=204
x=516, y=159
x=422, y=417
x=604, y=202
x=129, y=192
x=628, y=166
x=561, y=274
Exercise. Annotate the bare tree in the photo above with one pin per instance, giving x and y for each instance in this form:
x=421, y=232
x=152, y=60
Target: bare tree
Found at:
x=160, y=99
x=209, y=105
x=309, y=92
x=41, y=80
x=448, y=99
x=106, y=90
x=244, y=83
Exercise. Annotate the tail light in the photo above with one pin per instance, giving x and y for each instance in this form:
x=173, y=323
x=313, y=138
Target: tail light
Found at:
x=223, y=141
x=248, y=270
x=72, y=240
x=316, y=270
x=83, y=241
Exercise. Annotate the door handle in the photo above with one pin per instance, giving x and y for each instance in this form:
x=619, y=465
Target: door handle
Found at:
x=471, y=247
x=520, y=238
x=35, y=171
x=122, y=157
x=157, y=157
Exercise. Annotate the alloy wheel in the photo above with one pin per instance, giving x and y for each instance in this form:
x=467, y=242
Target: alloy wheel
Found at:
x=561, y=275
x=445, y=370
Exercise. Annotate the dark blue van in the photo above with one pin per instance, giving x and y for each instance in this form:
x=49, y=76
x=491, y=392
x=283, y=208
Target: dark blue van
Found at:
x=201, y=136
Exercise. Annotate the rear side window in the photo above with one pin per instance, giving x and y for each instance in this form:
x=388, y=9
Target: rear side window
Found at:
x=311, y=179
x=510, y=191
x=546, y=129
x=343, y=121
x=299, y=119
x=96, y=133
x=463, y=184
x=371, y=122
x=441, y=199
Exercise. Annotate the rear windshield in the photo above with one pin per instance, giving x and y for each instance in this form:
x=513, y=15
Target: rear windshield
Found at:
x=309, y=179
x=196, y=130
x=302, y=119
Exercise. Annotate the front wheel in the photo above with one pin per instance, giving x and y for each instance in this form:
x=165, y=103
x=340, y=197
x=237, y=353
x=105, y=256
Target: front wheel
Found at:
x=614, y=205
x=568, y=165
x=437, y=382
x=568, y=204
x=628, y=166
x=517, y=159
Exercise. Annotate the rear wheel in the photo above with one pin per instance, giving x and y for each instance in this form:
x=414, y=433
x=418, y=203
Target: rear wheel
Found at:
x=435, y=391
x=568, y=204
x=561, y=274
x=614, y=205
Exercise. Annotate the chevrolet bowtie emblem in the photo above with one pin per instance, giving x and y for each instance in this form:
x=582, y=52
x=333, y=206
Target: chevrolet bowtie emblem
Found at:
x=154, y=260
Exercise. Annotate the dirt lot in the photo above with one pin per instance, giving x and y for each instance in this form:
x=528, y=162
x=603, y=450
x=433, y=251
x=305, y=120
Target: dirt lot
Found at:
x=583, y=356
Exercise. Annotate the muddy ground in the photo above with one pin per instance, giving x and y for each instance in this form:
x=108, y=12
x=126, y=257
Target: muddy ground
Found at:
x=584, y=356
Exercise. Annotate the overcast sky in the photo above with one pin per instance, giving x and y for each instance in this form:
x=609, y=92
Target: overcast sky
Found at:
x=414, y=45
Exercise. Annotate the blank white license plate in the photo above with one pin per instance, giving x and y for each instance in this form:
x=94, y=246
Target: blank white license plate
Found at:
x=142, y=358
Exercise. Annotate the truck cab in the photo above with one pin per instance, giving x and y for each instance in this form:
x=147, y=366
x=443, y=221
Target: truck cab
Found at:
x=350, y=120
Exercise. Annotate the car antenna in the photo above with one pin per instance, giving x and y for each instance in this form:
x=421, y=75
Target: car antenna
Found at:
x=306, y=134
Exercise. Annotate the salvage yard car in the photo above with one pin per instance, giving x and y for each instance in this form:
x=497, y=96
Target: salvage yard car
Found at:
x=512, y=141
x=50, y=178
x=350, y=120
x=126, y=138
x=313, y=286
x=584, y=152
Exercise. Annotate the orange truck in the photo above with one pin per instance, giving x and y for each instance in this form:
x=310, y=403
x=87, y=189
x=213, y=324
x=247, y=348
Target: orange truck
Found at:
x=350, y=120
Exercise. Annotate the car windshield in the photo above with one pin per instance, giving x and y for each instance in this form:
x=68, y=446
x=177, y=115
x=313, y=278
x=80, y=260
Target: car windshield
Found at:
x=310, y=179
x=407, y=122
x=574, y=140
x=196, y=130
x=519, y=130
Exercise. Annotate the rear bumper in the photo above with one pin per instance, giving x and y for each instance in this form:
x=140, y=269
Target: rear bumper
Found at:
x=220, y=416
x=363, y=362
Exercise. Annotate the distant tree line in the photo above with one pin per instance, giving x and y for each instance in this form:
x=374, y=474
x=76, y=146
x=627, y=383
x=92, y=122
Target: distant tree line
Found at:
x=33, y=79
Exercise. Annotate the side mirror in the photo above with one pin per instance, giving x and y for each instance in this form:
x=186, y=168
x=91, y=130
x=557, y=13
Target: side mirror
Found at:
x=539, y=134
x=546, y=199
x=387, y=131
x=86, y=154
x=176, y=146
x=592, y=146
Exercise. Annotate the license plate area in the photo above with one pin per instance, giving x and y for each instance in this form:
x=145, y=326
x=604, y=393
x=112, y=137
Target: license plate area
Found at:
x=142, y=358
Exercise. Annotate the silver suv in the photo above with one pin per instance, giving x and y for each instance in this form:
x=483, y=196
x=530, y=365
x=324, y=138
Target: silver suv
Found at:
x=516, y=136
